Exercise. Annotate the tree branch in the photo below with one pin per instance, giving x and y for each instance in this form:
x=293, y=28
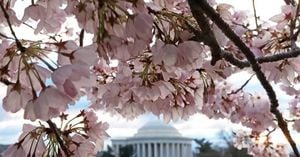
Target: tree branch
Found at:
x=243, y=86
x=58, y=138
x=289, y=2
x=243, y=63
x=5, y=81
x=6, y=37
x=225, y=28
x=265, y=59
x=208, y=36
x=234, y=61
x=280, y=56
x=292, y=28
x=81, y=38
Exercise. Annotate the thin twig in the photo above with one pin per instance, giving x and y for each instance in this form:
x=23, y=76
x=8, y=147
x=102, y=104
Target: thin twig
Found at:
x=225, y=28
x=243, y=86
x=255, y=15
x=6, y=37
x=19, y=45
x=46, y=63
x=270, y=132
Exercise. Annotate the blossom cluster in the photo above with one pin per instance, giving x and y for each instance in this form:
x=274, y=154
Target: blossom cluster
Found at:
x=259, y=145
x=251, y=110
x=81, y=136
x=163, y=66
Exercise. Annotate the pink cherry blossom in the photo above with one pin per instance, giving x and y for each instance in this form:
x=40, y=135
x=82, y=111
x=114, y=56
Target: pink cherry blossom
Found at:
x=96, y=130
x=258, y=148
x=14, y=150
x=44, y=107
x=296, y=125
x=71, y=78
x=85, y=149
x=287, y=13
x=258, y=44
x=34, y=12
x=12, y=16
x=16, y=98
x=224, y=10
x=167, y=55
x=84, y=12
x=49, y=18
x=140, y=27
x=134, y=57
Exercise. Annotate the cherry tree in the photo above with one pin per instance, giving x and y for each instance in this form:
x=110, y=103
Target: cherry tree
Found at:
x=174, y=58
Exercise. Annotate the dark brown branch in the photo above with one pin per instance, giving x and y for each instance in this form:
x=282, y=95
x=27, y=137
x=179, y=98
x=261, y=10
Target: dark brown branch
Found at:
x=6, y=37
x=279, y=56
x=270, y=131
x=234, y=61
x=292, y=28
x=81, y=37
x=290, y=2
x=207, y=33
x=5, y=81
x=225, y=28
x=199, y=37
x=265, y=59
x=19, y=45
x=58, y=138
x=243, y=64
x=295, y=36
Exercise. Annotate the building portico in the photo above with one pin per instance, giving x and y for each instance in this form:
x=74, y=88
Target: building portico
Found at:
x=156, y=139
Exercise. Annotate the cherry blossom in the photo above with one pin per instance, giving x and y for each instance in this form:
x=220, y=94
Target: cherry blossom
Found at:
x=12, y=16
x=43, y=107
x=16, y=99
x=287, y=13
x=49, y=15
x=164, y=52
x=84, y=136
x=259, y=145
x=140, y=27
x=14, y=150
x=71, y=78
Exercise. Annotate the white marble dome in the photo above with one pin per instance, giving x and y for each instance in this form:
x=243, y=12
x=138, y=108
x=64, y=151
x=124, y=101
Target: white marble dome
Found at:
x=156, y=139
x=157, y=129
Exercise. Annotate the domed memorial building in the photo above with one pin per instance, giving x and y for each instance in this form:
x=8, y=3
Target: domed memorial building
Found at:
x=156, y=139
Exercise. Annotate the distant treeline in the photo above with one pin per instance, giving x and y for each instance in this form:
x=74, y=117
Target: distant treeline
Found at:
x=3, y=148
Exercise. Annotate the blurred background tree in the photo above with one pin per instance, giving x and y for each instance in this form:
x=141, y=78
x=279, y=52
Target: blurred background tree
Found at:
x=205, y=148
x=125, y=151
